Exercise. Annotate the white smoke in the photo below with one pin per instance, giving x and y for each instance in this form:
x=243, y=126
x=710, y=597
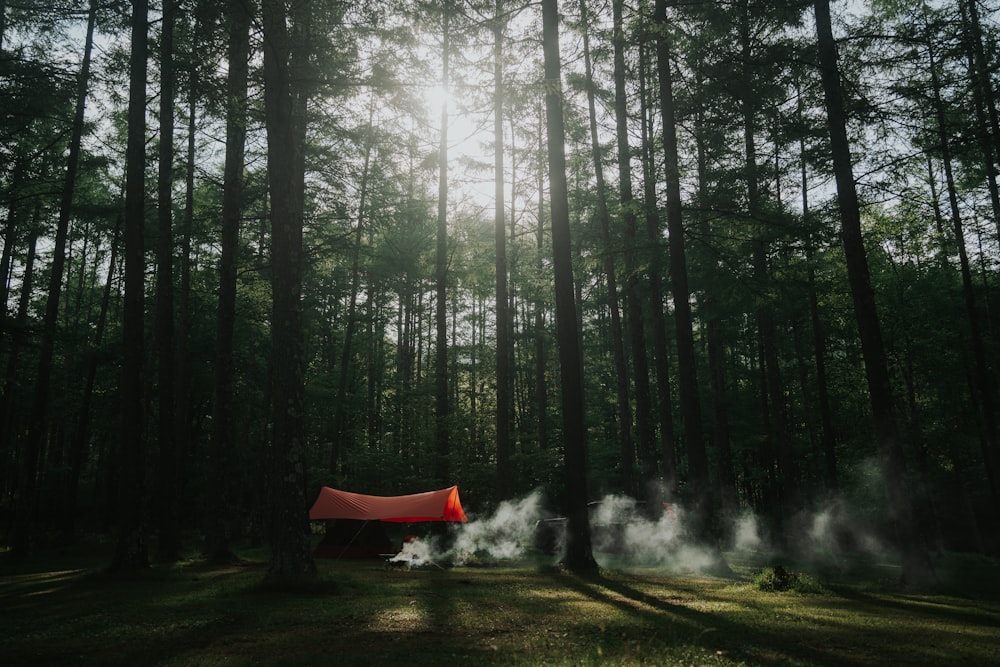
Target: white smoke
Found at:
x=505, y=535
x=626, y=534
x=416, y=552
x=832, y=532
x=622, y=534
x=746, y=533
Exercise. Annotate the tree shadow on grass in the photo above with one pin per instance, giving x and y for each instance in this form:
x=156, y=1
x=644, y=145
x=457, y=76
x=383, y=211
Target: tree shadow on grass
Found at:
x=773, y=632
x=956, y=610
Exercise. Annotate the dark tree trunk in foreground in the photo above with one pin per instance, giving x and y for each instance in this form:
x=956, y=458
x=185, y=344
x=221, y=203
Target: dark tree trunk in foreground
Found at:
x=217, y=548
x=579, y=555
x=132, y=552
x=168, y=545
x=916, y=564
x=287, y=523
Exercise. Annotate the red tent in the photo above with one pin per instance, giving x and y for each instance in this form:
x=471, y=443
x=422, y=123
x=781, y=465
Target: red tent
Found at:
x=443, y=505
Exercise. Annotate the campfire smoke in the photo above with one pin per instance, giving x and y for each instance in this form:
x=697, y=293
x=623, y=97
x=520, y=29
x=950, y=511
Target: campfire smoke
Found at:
x=629, y=534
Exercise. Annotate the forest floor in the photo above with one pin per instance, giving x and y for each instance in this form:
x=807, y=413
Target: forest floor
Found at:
x=63, y=608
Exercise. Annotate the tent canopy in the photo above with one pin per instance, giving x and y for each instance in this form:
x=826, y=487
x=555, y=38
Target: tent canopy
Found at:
x=443, y=505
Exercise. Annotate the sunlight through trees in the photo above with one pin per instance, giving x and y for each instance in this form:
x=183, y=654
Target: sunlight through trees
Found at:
x=721, y=256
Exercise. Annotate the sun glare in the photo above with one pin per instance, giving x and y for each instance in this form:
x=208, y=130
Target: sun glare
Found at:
x=435, y=96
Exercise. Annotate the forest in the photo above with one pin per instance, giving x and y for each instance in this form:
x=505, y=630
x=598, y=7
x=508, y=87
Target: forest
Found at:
x=733, y=257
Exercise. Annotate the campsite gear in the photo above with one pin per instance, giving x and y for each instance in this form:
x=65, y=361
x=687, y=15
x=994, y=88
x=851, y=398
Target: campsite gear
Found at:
x=357, y=530
x=443, y=505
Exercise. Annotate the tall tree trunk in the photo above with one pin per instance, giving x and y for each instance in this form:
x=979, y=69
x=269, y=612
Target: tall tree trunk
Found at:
x=442, y=407
x=132, y=552
x=37, y=424
x=654, y=240
x=182, y=377
x=217, y=544
x=623, y=404
x=503, y=317
x=287, y=524
x=579, y=555
x=636, y=334
x=916, y=563
x=168, y=545
x=772, y=385
x=715, y=345
x=541, y=356
x=702, y=504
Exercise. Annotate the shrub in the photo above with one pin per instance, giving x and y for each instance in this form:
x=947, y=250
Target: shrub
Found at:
x=775, y=578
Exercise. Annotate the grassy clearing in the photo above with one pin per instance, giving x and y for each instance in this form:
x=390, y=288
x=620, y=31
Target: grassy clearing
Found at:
x=64, y=609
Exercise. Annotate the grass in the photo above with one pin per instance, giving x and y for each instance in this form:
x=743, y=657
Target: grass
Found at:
x=61, y=608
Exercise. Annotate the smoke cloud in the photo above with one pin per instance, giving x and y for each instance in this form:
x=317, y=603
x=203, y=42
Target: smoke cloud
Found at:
x=505, y=535
x=626, y=535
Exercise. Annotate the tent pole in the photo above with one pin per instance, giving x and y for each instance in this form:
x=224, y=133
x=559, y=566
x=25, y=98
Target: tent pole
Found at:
x=348, y=545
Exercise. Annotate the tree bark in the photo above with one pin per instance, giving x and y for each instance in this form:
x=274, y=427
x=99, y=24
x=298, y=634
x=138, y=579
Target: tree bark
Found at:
x=132, y=551
x=916, y=563
x=168, y=544
x=772, y=385
x=442, y=406
x=715, y=344
x=502, y=303
x=701, y=502
x=661, y=345
x=579, y=555
x=287, y=523
x=623, y=404
x=217, y=542
x=636, y=327
x=541, y=355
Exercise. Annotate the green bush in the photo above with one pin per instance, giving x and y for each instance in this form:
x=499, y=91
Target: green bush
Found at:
x=778, y=579
x=775, y=578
